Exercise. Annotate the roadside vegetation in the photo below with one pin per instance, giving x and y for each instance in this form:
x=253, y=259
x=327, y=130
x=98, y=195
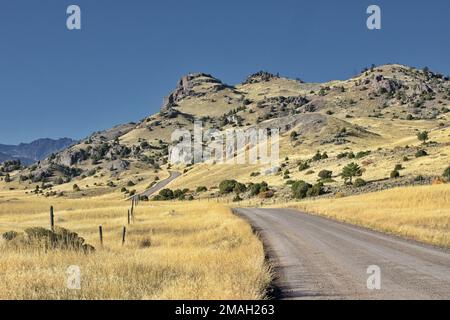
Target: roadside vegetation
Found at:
x=421, y=213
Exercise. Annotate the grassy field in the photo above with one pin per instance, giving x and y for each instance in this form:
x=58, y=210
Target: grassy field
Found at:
x=172, y=251
x=419, y=213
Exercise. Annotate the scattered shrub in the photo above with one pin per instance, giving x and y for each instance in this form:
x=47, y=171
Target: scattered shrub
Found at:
x=303, y=165
x=362, y=154
x=300, y=189
x=423, y=136
x=166, y=194
x=201, y=189
x=294, y=135
x=239, y=188
x=359, y=182
x=257, y=188
x=351, y=170
x=325, y=174
x=237, y=198
x=421, y=153
x=227, y=186
x=342, y=155
x=41, y=238
x=315, y=190
x=394, y=174
x=145, y=243
x=446, y=174
x=318, y=156
x=8, y=236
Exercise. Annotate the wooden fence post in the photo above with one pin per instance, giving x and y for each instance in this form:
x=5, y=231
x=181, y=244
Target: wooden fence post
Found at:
x=123, y=235
x=100, y=232
x=52, y=219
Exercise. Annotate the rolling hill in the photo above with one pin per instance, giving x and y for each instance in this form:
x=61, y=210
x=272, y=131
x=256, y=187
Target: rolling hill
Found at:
x=372, y=119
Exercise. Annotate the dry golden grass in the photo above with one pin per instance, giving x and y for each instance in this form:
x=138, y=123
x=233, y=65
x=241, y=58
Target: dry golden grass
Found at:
x=172, y=251
x=419, y=213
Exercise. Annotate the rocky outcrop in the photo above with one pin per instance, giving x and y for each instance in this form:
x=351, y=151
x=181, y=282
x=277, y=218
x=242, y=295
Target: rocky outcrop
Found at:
x=303, y=123
x=422, y=87
x=169, y=113
x=280, y=101
x=118, y=165
x=186, y=88
x=314, y=105
x=261, y=76
x=70, y=157
x=113, y=133
x=380, y=84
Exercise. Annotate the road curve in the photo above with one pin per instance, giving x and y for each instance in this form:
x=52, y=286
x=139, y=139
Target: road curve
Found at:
x=161, y=184
x=317, y=258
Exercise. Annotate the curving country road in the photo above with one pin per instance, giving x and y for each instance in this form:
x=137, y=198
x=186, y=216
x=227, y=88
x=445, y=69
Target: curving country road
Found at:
x=161, y=184
x=317, y=258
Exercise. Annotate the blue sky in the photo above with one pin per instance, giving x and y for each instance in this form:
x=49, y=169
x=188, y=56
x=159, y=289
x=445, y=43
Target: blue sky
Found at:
x=129, y=54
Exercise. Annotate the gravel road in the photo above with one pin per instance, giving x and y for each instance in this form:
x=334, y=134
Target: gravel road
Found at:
x=317, y=258
x=161, y=184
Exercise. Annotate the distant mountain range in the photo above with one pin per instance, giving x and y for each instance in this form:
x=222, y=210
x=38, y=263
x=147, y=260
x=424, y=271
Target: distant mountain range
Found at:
x=34, y=151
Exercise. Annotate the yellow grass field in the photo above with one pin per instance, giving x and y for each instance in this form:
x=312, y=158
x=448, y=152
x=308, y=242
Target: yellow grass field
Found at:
x=173, y=251
x=419, y=213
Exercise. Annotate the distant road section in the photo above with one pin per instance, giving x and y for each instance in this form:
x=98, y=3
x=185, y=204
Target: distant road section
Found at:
x=161, y=184
x=317, y=258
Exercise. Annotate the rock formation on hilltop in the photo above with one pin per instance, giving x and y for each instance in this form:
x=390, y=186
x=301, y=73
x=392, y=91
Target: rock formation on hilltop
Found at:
x=189, y=85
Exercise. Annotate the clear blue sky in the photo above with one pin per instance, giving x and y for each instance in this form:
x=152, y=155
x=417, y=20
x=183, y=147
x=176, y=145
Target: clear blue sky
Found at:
x=129, y=54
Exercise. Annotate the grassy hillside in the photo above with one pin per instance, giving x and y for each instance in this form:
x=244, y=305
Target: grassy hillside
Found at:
x=377, y=113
